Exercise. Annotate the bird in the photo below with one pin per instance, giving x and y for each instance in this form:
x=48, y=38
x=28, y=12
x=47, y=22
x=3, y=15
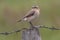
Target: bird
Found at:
x=31, y=14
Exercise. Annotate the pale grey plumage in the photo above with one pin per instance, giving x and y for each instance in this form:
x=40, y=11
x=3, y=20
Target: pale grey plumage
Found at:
x=32, y=14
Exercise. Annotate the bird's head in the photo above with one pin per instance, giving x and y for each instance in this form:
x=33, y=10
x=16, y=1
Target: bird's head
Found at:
x=35, y=7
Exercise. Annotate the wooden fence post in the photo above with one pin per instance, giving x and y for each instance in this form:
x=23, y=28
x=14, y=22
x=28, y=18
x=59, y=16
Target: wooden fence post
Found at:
x=31, y=34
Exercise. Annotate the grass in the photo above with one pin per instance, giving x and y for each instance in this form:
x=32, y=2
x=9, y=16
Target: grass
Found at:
x=50, y=15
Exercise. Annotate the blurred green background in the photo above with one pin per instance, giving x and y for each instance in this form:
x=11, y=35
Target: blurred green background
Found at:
x=13, y=10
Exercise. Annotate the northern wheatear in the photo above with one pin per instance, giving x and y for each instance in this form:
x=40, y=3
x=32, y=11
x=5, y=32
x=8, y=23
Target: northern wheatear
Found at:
x=32, y=14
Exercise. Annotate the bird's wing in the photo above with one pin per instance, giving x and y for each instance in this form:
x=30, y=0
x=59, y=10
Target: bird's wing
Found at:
x=31, y=13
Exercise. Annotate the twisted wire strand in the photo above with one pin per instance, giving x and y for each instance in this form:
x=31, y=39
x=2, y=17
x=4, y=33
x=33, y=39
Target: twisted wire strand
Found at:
x=40, y=26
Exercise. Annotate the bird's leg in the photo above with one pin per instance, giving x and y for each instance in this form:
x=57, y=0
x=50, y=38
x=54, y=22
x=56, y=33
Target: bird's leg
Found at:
x=31, y=24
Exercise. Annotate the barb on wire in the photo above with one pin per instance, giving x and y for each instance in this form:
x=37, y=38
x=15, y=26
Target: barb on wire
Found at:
x=40, y=26
x=5, y=33
x=54, y=28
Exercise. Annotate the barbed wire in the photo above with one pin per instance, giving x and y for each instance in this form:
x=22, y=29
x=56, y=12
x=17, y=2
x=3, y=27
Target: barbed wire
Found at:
x=40, y=26
x=15, y=31
x=51, y=28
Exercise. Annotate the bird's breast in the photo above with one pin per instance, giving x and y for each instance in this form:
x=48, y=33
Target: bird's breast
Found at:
x=37, y=13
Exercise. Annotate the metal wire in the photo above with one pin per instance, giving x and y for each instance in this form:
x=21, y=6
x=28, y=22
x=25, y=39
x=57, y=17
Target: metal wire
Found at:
x=40, y=26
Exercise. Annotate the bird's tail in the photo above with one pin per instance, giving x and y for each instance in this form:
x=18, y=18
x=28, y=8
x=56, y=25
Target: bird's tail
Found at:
x=19, y=20
x=23, y=19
